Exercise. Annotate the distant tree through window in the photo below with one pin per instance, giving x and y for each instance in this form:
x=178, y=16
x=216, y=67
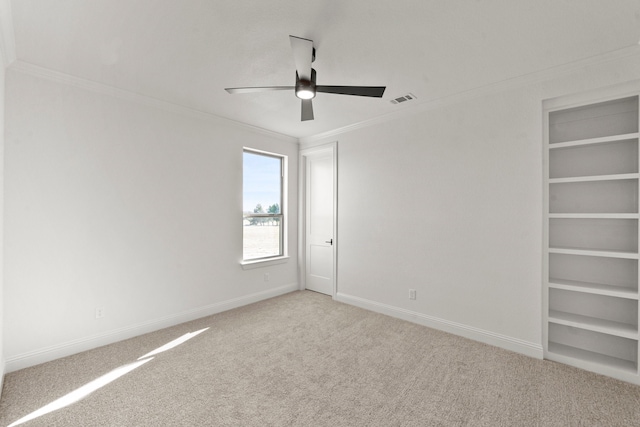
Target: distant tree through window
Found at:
x=262, y=216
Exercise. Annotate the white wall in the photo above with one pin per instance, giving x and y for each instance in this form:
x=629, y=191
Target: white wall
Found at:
x=447, y=200
x=114, y=204
x=2, y=109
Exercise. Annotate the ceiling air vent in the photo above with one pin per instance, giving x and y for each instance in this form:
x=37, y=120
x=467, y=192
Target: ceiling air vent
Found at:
x=407, y=97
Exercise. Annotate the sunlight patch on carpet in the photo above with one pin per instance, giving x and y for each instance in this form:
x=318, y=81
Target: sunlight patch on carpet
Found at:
x=82, y=392
x=87, y=389
x=172, y=344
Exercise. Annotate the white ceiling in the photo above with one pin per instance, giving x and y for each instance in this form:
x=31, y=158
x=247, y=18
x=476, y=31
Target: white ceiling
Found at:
x=186, y=52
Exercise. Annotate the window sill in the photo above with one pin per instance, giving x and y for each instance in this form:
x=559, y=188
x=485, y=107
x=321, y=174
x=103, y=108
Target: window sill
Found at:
x=248, y=265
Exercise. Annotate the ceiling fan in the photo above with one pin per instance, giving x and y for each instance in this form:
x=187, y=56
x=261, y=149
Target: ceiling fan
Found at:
x=306, y=88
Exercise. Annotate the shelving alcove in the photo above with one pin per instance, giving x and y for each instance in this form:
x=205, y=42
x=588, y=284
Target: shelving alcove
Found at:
x=591, y=193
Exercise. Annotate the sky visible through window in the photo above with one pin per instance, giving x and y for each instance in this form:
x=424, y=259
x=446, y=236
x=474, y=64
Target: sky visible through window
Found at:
x=261, y=181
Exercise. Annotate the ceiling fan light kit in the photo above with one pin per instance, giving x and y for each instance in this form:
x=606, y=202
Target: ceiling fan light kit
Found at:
x=305, y=89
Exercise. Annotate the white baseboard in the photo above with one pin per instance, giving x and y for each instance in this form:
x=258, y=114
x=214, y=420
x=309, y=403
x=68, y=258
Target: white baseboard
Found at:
x=513, y=344
x=2, y=372
x=47, y=354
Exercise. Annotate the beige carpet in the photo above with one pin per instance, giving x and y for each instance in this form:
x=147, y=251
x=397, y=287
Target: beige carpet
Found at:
x=304, y=360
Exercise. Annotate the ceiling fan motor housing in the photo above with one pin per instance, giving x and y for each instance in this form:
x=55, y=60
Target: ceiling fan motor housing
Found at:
x=306, y=89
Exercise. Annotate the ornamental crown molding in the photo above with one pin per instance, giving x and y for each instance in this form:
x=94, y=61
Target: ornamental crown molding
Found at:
x=101, y=88
x=511, y=83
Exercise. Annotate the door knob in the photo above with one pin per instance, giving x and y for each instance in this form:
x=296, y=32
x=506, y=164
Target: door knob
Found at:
x=329, y=241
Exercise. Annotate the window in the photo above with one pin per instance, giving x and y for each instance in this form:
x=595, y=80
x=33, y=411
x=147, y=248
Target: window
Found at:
x=262, y=196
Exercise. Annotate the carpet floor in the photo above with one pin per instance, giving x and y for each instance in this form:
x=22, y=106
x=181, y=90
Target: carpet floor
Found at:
x=304, y=360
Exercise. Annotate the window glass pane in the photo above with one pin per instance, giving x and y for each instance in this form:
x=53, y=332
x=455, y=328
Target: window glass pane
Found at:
x=262, y=240
x=262, y=202
x=261, y=183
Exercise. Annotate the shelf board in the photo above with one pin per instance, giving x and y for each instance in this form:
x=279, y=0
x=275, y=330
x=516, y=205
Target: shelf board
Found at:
x=590, y=252
x=594, y=215
x=593, y=178
x=594, y=324
x=588, y=141
x=592, y=357
x=594, y=288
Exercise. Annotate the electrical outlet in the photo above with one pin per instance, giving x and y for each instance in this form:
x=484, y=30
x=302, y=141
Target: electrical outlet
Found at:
x=412, y=294
x=99, y=312
x=266, y=277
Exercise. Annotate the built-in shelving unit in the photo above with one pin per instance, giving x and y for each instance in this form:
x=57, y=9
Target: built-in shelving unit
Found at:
x=591, y=235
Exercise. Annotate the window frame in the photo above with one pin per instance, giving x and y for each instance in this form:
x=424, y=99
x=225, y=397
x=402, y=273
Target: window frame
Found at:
x=281, y=216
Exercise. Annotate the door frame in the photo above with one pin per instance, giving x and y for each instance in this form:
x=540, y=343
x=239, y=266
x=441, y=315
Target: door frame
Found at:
x=302, y=204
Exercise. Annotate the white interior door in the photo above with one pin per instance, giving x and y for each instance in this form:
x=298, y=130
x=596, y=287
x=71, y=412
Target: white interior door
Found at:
x=320, y=236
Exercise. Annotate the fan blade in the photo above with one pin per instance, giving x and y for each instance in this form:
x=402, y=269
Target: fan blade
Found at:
x=302, y=56
x=307, y=110
x=373, y=91
x=257, y=89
